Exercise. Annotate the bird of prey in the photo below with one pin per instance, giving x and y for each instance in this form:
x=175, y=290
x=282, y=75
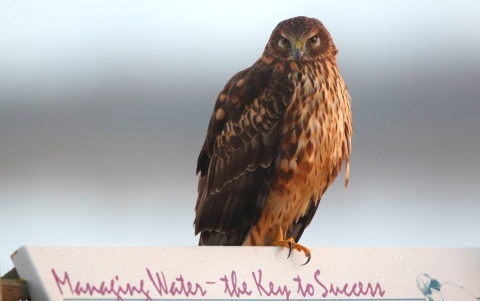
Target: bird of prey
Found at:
x=278, y=135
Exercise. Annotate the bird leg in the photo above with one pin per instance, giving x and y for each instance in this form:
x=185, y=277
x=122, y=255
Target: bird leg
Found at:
x=291, y=244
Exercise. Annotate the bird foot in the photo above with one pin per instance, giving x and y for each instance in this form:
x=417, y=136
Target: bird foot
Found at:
x=291, y=244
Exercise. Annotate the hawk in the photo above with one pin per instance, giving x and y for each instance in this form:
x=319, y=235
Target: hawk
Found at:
x=278, y=135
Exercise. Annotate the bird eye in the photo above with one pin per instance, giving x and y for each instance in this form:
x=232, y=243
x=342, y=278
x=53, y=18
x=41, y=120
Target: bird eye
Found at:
x=284, y=42
x=314, y=40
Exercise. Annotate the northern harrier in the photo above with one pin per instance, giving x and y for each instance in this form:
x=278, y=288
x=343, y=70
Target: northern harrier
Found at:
x=276, y=140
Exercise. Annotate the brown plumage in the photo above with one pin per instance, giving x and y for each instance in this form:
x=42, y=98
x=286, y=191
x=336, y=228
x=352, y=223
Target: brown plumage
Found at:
x=276, y=140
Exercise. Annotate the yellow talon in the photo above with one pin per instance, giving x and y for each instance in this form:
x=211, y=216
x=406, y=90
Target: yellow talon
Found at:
x=291, y=244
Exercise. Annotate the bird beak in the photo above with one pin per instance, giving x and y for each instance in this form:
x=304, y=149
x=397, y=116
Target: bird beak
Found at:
x=297, y=51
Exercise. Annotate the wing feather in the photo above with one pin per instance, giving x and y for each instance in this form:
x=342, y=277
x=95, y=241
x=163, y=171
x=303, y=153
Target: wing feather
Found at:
x=299, y=226
x=236, y=162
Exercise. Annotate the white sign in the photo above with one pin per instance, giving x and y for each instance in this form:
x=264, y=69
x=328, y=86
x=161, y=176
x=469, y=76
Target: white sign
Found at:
x=159, y=273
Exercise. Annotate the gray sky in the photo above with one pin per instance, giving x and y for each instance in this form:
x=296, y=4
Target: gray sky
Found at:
x=104, y=107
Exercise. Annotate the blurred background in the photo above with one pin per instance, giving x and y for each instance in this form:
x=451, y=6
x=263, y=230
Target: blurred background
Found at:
x=104, y=107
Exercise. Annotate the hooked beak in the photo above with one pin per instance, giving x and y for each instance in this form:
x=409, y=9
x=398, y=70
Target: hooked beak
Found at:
x=297, y=50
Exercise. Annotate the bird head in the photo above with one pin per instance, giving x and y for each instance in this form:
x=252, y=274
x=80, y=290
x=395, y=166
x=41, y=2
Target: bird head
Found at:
x=300, y=39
